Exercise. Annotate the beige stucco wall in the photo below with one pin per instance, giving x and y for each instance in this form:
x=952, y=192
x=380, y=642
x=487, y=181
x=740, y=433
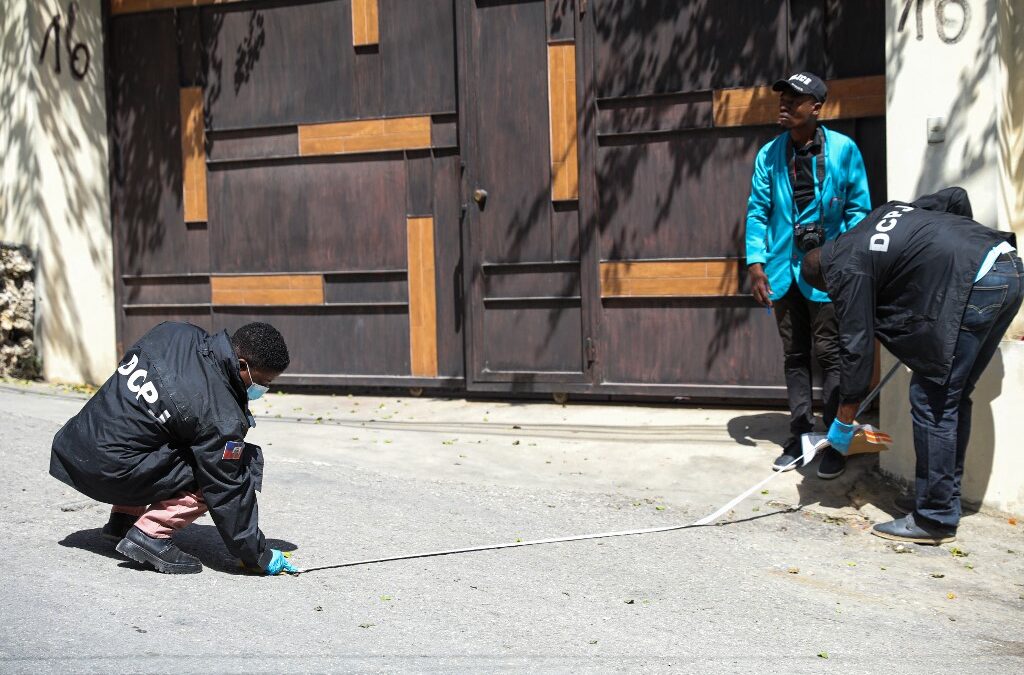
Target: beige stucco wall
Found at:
x=1010, y=125
x=977, y=84
x=54, y=193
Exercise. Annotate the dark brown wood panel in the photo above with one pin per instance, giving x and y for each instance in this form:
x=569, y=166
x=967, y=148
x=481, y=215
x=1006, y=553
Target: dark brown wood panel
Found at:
x=137, y=322
x=151, y=236
x=333, y=340
x=531, y=281
x=652, y=114
x=183, y=290
x=547, y=337
x=312, y=216
x=451, y=301
x=729, y=345
x=419, y=166
x=676, y=197
x=253, y=144
x=366, y=288
x=512, y=140
x=282, y=64
x=561, y=20
x=667, y=47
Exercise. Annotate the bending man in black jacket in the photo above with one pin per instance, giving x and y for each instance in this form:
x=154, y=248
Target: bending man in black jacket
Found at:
x=163, y=441
x=939, y=291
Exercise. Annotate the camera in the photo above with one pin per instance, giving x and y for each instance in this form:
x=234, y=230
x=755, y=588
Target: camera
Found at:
x=808, y=236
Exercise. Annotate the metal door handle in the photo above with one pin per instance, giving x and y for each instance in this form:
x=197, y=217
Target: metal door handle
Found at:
x=480, y=197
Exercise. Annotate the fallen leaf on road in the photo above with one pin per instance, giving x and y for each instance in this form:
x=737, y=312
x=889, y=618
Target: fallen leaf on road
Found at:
x=822, y=655
x=793, y=570
x=951, y=595
x=937, y=575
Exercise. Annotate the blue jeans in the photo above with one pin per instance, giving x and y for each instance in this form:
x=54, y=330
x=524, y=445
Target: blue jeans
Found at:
x=942, y=412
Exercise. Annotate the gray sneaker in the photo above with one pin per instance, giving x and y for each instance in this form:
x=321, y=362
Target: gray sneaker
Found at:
x=789, y=459
x=907, y=529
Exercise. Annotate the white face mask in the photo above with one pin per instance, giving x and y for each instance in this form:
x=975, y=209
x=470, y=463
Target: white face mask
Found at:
x=255, y=390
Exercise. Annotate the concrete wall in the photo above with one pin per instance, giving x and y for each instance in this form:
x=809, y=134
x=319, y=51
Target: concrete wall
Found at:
x=54, y=193
x=976, y=83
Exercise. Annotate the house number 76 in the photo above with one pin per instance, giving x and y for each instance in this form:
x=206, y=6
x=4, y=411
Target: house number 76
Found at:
x=944, y=19
x=78, y=54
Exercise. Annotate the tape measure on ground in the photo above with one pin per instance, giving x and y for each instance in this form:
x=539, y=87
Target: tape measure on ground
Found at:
x=703, y=522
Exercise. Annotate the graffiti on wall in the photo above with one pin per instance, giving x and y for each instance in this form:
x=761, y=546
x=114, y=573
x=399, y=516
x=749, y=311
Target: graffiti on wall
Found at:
x=77, y=53
x=952, y=17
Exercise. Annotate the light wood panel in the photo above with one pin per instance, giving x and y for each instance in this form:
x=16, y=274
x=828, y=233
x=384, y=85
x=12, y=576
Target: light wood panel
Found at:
x=562, y=106
x=365, y=23
x=135, y=6
x=422, y=298
x=855, y=97
x=847, y=98
x=193, y=155
x=335, y=138
x=688, y=278
x=275, y=289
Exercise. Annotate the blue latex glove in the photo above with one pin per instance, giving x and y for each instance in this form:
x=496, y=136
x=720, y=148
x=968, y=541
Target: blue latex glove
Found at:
x=278, y=563
x=840, y=435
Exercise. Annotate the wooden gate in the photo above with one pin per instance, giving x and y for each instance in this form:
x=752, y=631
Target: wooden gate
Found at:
x=497, y=195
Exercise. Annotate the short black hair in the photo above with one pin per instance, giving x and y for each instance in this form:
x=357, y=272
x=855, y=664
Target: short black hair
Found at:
x=810, y=269
x=262, y=346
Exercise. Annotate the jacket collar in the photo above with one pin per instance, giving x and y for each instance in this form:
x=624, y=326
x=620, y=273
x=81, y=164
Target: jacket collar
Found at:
x=227, y=360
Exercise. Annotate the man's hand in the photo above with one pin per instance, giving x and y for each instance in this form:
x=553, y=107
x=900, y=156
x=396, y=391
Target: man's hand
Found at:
x=278, y=563
x=840, y=435
x=759, y=285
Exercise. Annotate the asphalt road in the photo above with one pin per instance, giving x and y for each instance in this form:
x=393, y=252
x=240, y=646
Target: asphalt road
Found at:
x=774, y=589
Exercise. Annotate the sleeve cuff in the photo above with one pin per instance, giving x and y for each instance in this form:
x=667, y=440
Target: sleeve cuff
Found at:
x=264, y=560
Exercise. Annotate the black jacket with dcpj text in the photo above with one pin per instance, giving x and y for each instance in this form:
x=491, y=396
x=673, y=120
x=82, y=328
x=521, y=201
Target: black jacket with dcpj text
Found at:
x=172, y=417
x=903, y=275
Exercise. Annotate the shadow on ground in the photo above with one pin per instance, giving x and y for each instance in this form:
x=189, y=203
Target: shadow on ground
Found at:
x=202, y=541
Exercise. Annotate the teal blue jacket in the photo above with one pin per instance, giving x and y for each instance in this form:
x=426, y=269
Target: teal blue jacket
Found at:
x=843, y=197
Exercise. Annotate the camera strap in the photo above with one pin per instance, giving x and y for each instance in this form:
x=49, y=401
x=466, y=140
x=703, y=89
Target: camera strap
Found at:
x=819, y=166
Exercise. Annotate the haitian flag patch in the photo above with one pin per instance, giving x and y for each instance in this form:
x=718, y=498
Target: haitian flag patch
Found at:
x=233, y=450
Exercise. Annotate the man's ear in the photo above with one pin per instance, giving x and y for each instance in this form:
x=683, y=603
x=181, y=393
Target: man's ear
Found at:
x=816, y=110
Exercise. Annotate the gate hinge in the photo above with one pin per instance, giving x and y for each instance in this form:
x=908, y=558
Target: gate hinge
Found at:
x=590, y=349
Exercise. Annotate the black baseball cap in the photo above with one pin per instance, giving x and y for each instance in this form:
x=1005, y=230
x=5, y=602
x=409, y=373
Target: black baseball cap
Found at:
x=804, y=83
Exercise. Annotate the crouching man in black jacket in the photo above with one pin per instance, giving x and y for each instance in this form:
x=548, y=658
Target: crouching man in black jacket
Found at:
x=939, y=291
x=163, y=441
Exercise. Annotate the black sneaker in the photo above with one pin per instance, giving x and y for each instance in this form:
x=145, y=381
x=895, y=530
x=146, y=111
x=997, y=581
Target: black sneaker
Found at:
x=906, y=529
x=791, y=451
x=162, y=554
x=118, y=525
x=832, y=464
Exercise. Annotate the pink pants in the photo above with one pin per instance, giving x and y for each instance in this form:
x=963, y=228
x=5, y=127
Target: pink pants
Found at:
x=160, y=519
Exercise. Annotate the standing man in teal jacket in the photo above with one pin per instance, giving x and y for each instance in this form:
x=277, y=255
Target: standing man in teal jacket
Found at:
x=809, y=186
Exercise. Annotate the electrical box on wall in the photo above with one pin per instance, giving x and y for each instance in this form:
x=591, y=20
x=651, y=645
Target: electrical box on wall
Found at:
x=936, y=127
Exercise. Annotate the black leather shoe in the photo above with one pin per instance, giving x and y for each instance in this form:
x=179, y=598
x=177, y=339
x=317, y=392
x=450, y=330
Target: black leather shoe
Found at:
x=832, y=465
x=791, y=451
x=906, y=529
x=118, y=525
x=162, y=554
x=905, y=503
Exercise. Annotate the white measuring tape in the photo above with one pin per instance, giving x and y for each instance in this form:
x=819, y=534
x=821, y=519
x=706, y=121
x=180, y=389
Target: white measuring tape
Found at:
x=808, y=454
x=706, y=520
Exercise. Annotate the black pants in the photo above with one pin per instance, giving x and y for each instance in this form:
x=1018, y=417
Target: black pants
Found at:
x=804, y=324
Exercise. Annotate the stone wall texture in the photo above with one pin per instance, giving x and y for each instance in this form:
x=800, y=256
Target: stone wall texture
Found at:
x=17, y=307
